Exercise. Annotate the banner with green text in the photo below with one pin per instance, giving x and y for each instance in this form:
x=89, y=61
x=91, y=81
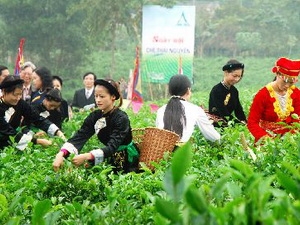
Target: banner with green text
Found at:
x=167, y=42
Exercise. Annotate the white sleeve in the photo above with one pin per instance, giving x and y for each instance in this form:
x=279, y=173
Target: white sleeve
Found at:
x=70, y=148
x=159, y=122
x=98, y=155
x=25, y=139
x=52, y=129
x=206, y=127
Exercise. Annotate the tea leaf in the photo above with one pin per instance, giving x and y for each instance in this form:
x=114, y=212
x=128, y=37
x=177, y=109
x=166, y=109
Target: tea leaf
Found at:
x=196, y=200
x=181, y=162
x=167, y=209
x=39, y=211
x=287, y=182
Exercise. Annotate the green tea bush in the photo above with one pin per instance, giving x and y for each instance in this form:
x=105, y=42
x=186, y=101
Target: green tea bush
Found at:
x=203, y=183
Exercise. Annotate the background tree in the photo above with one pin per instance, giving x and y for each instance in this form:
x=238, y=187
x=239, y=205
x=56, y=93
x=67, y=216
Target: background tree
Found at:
x=53, y=38
x=72, y=37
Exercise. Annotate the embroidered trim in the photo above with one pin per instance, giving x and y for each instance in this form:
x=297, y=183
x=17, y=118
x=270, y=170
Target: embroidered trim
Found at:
x=225, y=86
x=9, y=113
x=227, y=98
x=282, y=114
x=100, y=124
x=45, y=114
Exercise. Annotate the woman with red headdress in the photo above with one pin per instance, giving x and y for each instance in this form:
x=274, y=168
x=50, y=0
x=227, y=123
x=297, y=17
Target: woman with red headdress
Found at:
x=277, y=105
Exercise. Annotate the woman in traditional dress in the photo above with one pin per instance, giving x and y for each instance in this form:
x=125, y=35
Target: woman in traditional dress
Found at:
x=13, y=109
x=50, y=108
x=224, y=97
x=112, y=127
x=276, y=106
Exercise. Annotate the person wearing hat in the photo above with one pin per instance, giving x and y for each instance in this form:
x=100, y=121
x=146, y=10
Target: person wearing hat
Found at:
x=12, y=109
x=50, y=108
x=42, y=82
x=112, y=127
x=276, y=106
x=26, y=71
x=224, y=97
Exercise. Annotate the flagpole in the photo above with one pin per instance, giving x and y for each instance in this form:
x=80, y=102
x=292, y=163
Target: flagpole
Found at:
x=19, y=59
x=137, y=88
x=180, y=70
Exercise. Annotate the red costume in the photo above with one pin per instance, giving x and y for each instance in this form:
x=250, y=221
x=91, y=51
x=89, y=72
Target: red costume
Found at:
x=265, y=112
x=268, y=116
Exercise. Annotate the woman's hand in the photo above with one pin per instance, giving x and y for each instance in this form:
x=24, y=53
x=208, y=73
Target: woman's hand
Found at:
x=82, y=158
x=43, y=142
x=58, y=162
x=40, y=134
x=60, y=134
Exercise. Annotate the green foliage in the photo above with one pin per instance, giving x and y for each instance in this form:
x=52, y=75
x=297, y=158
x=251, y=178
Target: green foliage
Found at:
x=73, y=37
x=180, y=162
x=203, y=183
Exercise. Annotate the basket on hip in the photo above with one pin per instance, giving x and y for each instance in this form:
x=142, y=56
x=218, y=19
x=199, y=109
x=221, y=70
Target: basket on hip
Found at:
x=153, y=143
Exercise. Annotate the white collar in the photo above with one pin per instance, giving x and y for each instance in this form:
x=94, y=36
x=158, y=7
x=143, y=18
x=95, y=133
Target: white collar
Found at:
x=91, y=90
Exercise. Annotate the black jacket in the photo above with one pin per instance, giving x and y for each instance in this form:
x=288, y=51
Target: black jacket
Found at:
x=80, y=100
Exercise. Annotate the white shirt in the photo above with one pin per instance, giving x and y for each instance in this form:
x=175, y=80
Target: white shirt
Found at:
x=88, y=92
x=195, y=116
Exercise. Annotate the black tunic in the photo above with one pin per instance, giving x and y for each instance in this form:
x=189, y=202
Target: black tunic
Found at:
x=117, y=132
x=64, y=109
x=37, y=97
x=55, y=116
x=223, y=102
x=10, y=128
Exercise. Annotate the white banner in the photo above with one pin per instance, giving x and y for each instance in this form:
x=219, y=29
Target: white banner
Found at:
x=167, y=42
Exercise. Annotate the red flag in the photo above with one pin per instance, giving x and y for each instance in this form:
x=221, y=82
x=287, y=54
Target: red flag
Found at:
x=20, y=58
x=137, y=86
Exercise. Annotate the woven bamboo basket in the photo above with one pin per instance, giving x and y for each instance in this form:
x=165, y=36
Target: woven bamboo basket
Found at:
x=153, y=143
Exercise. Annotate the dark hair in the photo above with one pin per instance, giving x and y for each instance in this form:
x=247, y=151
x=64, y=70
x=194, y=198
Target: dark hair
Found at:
x=88, y=73
x=112, y=87
x=46, y=78
x=54, y=95
x=233, y=65
x=2, y=68
x=54, y=77
x=174, y=116
x=11, y=83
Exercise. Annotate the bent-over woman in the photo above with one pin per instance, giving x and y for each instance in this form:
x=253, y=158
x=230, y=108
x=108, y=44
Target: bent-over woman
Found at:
x=13, y=109
x=112, y=127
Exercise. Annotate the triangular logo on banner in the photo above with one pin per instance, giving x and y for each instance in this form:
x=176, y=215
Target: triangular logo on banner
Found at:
x=182, y=20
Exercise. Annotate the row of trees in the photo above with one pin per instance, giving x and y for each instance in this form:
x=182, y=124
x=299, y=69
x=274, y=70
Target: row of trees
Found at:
x=72, y=36
x=248, y=27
